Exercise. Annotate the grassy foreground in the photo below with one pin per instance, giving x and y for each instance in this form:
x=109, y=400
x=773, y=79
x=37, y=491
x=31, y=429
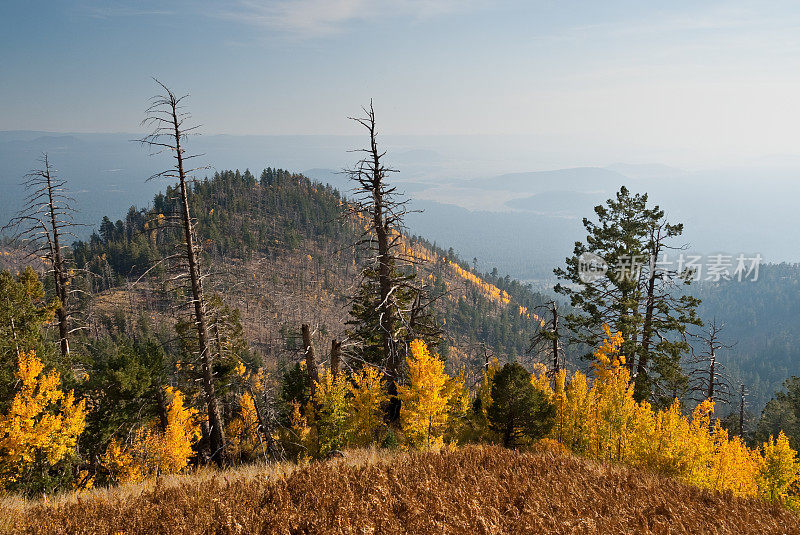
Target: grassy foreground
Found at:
x=472, y=490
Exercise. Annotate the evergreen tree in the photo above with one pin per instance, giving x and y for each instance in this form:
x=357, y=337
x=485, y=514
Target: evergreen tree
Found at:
x=518, y=408
x=24, y=312
x=636, y=295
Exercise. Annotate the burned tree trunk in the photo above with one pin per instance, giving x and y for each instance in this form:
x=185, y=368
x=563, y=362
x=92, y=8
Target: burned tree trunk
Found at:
x=336, y=357
x=548, y=338
x=387, y=309
x=165, y=115
x=311, y=362
x=44, y=221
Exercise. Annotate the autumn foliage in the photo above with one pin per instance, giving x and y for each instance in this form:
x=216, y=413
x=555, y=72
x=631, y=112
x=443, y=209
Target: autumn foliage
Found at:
x=41, y=427
x=152, y=451
x=602, y=421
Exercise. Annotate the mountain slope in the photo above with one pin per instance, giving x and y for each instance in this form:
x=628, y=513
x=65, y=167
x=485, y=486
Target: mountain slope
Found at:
x=280, y=249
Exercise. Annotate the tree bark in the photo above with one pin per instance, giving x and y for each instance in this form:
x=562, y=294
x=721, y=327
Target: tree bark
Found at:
x=311, y=363
x=336, y=357
x=217, y=440
x=59, y=274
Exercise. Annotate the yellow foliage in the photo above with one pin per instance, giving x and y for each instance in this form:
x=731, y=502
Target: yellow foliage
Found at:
x=365, y=414
x=332, y=413
x=458, y=402
x=603, y=421
x=779, y=470
x=423, y=412
x=42, y=424
x=243, y=429
x=151, y=451
x=485, y=392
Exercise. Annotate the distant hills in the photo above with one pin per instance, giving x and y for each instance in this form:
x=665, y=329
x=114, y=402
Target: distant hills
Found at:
x=523, y=223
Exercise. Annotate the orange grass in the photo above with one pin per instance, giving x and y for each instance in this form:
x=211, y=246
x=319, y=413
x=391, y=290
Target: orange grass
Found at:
x=471, y=490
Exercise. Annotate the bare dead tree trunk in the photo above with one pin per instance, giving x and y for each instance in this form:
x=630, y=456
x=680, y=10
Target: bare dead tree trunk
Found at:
x=311, y=362
x=556, y=361
x=44, y=220
x=166, y=116
x=741, y=413
x=548, y=338
x=385, y=311
x=711, y=377
x=336, y=357
x=710, y=381
x=59, y=273
x=388, y=309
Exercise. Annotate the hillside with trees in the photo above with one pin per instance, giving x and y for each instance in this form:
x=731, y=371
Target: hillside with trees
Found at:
x=263, y=320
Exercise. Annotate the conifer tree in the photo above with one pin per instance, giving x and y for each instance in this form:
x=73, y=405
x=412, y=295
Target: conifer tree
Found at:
x=637, y=295
x=390, y=308
x=518, y=408
x=24, y=312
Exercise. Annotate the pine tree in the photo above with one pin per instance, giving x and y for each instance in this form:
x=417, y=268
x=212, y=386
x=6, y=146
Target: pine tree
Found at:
x=518, y=409
x=24, y=312
x=636, y=296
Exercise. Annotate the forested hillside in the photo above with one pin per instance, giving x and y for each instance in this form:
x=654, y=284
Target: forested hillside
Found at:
x=282, y=250
x=242, y=319
x=760, y=323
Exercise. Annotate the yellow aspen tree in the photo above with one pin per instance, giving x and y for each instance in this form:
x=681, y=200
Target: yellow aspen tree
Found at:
x=780, y=469
x=182, y=432
x=367, y=395
x=540, y=380
x=118, y=460
x=243, y=429
x=332, y=413
x=458, y=402
x=151, y=452
x=485, y=392
x=42, y=425
x=423, y=412
x=605, y=422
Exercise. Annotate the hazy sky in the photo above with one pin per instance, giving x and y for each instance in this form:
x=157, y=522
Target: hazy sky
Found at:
x=701, y=81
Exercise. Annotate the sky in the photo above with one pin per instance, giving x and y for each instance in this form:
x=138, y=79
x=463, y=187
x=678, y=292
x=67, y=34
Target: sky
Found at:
x=682, y=83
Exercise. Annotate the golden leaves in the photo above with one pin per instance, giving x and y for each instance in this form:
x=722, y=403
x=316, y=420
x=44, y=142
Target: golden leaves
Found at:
x=42, y=421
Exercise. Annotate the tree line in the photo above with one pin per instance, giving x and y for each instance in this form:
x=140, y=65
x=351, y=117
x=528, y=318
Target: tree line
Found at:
x=157, y=399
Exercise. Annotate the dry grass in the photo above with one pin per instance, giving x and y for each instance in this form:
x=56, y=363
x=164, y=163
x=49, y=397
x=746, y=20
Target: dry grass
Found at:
x=472, y=490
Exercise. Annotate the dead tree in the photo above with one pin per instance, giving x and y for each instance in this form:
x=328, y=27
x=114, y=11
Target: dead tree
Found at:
x=44, y=222
x=311, y=362
x=548, y=338
x=707, y=378
x=336, y=357
x=167, y=118
x=743, y=393
x=389, y=307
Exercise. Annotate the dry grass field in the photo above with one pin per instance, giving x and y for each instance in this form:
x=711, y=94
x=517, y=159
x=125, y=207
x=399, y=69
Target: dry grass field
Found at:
x=472, y=490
